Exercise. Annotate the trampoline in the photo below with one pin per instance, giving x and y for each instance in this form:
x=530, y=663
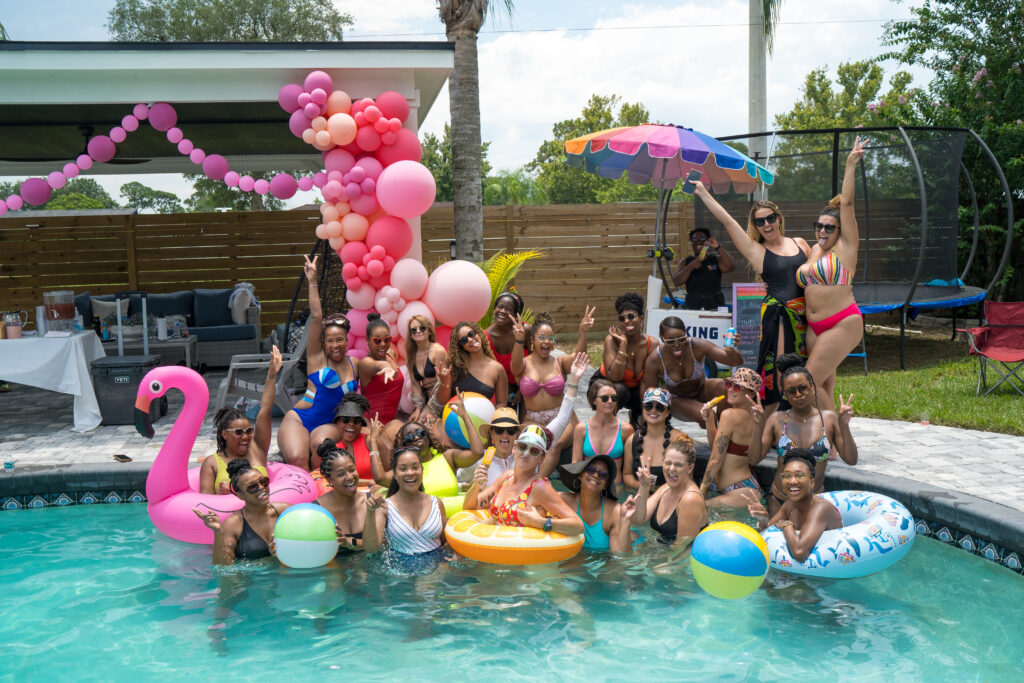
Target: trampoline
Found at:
x=907, y=208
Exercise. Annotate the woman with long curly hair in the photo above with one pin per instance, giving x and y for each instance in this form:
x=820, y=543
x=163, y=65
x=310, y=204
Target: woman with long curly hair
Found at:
x=472, y=367
x=423, y=355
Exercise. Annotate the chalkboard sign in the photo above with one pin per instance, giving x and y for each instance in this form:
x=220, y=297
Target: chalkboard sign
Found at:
x=746, y=310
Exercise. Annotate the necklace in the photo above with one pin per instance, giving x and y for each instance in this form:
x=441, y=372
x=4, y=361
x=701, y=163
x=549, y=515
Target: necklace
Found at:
x=802, y=419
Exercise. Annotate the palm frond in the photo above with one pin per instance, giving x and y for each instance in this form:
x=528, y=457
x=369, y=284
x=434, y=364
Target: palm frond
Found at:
x=501, y=269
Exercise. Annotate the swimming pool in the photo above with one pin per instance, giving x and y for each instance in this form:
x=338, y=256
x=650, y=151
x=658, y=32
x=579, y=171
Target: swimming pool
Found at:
x=96, y=592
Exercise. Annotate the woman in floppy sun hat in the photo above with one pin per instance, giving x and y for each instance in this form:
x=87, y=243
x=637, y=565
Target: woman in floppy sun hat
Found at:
x=591, y=485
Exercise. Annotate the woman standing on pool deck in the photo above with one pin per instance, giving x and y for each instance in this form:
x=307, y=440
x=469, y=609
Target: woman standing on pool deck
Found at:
x=676, y=511
x=592, y=494
x=728, y=472
x=604, y=432
x=835, y=321
x=626, y=349
x=331, y=375
x=501, y=336
x=410, y=520
x=422, y=350
x=378, y=371
x=803, y=511
x=776, y=259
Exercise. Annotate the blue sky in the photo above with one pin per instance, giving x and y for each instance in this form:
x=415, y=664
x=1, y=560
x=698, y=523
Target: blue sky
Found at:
x=686, y=61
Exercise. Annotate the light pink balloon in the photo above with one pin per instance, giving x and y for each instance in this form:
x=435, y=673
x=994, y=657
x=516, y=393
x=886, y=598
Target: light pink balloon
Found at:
x=130, y=123
x=391, y=317
x=197, y=156
x=331, y=190
x=71, y=169
x=375, y=269
x=245, y=183
x=84, y=162
x=3, y=207
x=318, y=96
x=14, y=202
x=354, y=226
x=409, y=276
x=261, y=186
x=362, y=297
x=215, y=167
x=393, y=294
x=303, y=99
x=398, y=305
x=174, y=135
x=141, y=112
x=231, y=179
x=382, y=304
x=162, y=116
x=457, y=291
x=56, y=180
x=118, y=134
x=406, y=189
x=357, y=319
x=413, y=308
x=338, y=160
x=185, y=146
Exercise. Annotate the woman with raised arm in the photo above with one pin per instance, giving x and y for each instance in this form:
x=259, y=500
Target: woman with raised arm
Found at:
x=501, y=336
x=776, y=259
x=378, y=371
x=677, y=511
x=626, y=349
x=423, y=356
x=331, y=375
x=835, y=321
x=728, y=472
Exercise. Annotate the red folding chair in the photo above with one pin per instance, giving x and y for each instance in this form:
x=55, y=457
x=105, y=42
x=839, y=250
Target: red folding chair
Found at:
x=1000, y=344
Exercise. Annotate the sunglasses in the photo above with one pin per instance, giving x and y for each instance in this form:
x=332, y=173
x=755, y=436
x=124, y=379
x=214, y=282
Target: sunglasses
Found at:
x=527, y=449
x=791, y=476
x=678, y=341
x=599, y=473
x=628, y=318
x=350, y=420
x=729, y=384
x=239, y=431
x=414, y=436
x=651, y=405
x=504, y=430
x=610, y=398
x=546, y=338
x=417, y=330
x=826, y=227
x=381, y=340
x=260, y=483
x=793, y=391
x=466, y=337
x=770, y=219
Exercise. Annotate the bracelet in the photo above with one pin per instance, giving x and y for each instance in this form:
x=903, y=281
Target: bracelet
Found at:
x=518, y=341
x=785, y=523
x=373, y=453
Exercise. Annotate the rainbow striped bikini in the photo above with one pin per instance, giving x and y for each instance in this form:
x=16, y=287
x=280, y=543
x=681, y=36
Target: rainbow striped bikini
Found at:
x=825, y=271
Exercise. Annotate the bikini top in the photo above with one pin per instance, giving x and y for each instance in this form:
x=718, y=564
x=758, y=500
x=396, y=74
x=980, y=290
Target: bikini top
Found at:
x=615, y=450
x=657, y=471
x=669, y=529
x=819, y=449
x=428, y=370
x=507, y=513
x=696, y=376
x=327, y=380
x=553, y=386
x=250, y=545
x=406, y=539
x=827, y=270
x=471, y=383
x=737, y=449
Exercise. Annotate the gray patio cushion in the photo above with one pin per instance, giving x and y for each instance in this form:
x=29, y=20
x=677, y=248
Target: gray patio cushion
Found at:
x=232, y=332
x=211, y=307
x=176, y=303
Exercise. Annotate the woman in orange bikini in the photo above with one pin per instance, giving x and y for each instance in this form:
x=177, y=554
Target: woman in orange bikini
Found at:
x=625, y=353
x=835, y=322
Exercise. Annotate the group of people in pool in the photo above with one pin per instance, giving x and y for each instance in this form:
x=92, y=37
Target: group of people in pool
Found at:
x=349, y=427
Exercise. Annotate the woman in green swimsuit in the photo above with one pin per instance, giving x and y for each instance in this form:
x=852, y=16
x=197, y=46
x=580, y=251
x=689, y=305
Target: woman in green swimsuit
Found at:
x=592, y=495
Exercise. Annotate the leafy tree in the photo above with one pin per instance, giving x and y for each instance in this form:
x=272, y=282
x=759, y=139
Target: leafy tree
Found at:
x=513, y=187
x=138, y=196
x=72, y=201
x=437, y=156
x=210, y=195
x=226, y=20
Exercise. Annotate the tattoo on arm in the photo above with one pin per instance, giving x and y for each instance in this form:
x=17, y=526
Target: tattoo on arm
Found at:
x=722, y=443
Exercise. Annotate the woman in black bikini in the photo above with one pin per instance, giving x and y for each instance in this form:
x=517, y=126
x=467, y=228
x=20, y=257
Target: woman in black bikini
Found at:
x=677, y=511
x=472, y=366
x=423, y=355
x=339, y=467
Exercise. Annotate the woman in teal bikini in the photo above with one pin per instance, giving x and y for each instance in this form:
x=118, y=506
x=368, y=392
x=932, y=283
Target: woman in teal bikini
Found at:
x=604, y=433
x=592, y=495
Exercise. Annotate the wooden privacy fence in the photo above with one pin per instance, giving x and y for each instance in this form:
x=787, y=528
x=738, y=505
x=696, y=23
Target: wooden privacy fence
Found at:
x=593, y=253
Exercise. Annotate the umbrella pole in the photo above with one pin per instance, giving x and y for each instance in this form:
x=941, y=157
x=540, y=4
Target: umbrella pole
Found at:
x=660, y=245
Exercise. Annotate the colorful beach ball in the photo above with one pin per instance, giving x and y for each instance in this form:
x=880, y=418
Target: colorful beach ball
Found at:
x=480, y=410
x=305, y=536
x=729, y=560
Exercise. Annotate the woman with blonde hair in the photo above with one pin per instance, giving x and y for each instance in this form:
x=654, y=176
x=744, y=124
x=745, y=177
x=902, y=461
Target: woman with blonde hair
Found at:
x=423, y=355
x=472, y=367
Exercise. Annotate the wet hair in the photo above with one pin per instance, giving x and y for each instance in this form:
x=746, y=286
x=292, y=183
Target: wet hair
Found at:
x=330, y=453
x=794, y=364
x=236, y=468
x=752, y=231
x=221, y=419
x=630, y=301
x=683, y=444
x=542, y=318
x=458, y=357
x=410, y=343
x=376, y=322
x=520, y=305
x=803, y=455
x=395, y=455
x=595, y=386
x=337, y=320
x=832, y=209
x=704, y=231
x=671, y=323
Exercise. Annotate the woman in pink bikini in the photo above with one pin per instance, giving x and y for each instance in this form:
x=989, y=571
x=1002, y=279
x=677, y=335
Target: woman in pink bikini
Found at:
x=835, y=324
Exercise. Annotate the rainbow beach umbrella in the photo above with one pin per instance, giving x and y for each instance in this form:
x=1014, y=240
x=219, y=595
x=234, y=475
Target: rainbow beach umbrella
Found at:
x=662, y=154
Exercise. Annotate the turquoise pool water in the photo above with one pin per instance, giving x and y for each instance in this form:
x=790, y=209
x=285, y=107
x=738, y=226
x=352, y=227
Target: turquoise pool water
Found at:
x=96, y=593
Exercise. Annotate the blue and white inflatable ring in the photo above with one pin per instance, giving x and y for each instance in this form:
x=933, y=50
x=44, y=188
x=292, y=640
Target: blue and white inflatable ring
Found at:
x=877, y=531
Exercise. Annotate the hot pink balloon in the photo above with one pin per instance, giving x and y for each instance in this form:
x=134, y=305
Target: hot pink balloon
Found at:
x=379, y=281
x=370, y=167
x=287, y=97
x=71, y=169
x=457, y=291
x=283, y=186
x=311, y=110
x=306, y=183
x=14, y=202
x=406, y=189
x=361, y=298
x=393, y=105
x=197, y=156
x=381, y=125
x=331, y=190
x=215, y=167
x=357, y=173
x=130, y=123
x=348, y=270
x=377, y=251
x=35, y=191
x=360, y=105
x=298, y=122
x=3, y=207
x=185, y=146
x=84, y=162
x=56, y=180
x=388, y=138
x=245, y=183
x=372, y=113
x=353, y=253
x=406, y=147
x=231, y=179
x=364, y=204
x=394, y=125
x=392, y=235
x=353, y=283
x=389, y=262
x=338, y=160
x=141, y=112
x=368, y=185
x=162, y=116
x=303, y=99
x=174, y=135
x=363, y=275
x=318, y=79
x=101, y=148
x=319, y=179
x=368, y=139
x=118, y=134
x=352, y=190
x=444, y=334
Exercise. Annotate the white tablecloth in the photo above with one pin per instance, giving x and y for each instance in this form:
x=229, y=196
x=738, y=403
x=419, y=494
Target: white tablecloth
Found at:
x=58, y=364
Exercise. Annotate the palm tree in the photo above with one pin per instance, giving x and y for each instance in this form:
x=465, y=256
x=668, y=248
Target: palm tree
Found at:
x=764, y=16
x=3, y=33
x=462, y=21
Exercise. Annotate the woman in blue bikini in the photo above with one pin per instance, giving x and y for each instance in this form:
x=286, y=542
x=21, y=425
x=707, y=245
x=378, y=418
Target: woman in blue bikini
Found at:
x=331, y=376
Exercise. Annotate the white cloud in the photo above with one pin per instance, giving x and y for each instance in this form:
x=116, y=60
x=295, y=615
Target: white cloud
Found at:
x=393, y=16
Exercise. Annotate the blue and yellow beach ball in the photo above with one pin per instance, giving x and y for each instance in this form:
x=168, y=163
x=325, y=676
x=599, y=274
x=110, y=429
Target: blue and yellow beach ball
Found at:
x=729, y=560
x=480, y=410
x=305, y=536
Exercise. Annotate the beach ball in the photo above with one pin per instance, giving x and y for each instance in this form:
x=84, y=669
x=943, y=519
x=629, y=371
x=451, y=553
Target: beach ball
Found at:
x=729, y=560
x=305, y=536
x=480, y=410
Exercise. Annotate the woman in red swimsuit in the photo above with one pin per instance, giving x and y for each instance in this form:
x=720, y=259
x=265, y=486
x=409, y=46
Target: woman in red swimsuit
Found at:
x=502, y=337
x=378, y=372
x=625, y=353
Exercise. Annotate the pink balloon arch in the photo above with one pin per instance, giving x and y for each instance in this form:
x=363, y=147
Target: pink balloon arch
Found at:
x=372, y=183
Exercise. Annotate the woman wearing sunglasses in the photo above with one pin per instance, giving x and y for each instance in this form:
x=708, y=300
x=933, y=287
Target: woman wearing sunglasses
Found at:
x=678, y=366
x=592, y=495
x=423, y=355
x=603, y=433
x=804, y=516
x=626, y=349
x=349, y=422
x=776, y=259
x=379, y=375
x=237, y=439
x=502, y=336
x=331, y=375
x=651, y=440
x=677, y=511
x=472, y=367
x=728, y=471
x=805, y=426
x=835, y=320
x=246, y=534
x=521, y=496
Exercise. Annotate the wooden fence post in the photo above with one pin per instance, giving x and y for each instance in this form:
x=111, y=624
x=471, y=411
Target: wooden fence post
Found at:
x=510, y=236
x=129, y=245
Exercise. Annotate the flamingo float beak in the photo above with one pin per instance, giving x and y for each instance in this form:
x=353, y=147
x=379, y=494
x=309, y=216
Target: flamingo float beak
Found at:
x=143, y=423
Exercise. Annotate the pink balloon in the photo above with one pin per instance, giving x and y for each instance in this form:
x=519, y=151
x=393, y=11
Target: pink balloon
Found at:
x=444, y=334
x=354, y=226
x=391, y=317
x=71, y=169
x=331, y=190
x=406, y=147
x=359, y=106
x=319, y=179
x=215, y=167
x=101, y=148
x=376, y=252
x=349, y=270
x=3, y=207
x=394, y=125
x=368, y=139
x=288, y=95
x=363, y=275
x=56, y=180
x=84, y=162
x=375, y=269
x=245, y=183
x=361, y=298
x=393, y=294
x=318, y=79
x=338, y=102
x=381, y=125
x=457, y=291
x=303, y=99
x=371, y=167
x=321, y=232
x=261, y=186
x=174, y=135
x=353, y=283
x=364, y=204
x=197, y=156
x=357, y=319
x=367, y=186
x=359, y=118
x=367, y=258
x=338, y=160
x=118, y=134
x=14, y=202
x=318, y=96
x=388, y=138
x=130, y=123
x=413, y=308
x=393, y=105
x=141, y=112
x=185, y=146
x=283, y=185
x=406, y=189
x=35, y=191
x=306, y=183
x=352, y=190
x=372, y=113
x=392, y=235
x=311, y=110
x=382, y=304
x=388, y=262
x=398, y=304
x=298, y=122
x=342, y=128
x=353, y=253
x=231, y=179
x=357, y=173
x=162, y=116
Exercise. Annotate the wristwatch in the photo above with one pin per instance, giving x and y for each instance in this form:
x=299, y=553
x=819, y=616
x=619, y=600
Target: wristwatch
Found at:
x=548, y=524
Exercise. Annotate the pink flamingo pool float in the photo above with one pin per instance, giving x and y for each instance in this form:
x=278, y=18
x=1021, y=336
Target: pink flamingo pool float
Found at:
x=171, y=487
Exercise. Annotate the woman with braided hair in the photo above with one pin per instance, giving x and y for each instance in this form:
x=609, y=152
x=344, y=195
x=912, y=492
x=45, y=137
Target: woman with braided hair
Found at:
x=338, y=466
x=472, y=367
x=651, y=440
x=502, y=337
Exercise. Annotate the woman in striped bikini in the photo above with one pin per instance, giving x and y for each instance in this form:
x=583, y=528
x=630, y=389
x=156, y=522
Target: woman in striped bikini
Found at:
x=835, y=324
x=411, y=521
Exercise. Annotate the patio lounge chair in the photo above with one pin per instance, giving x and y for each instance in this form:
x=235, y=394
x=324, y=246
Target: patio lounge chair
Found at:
x=1000, y=344
x=249, y=365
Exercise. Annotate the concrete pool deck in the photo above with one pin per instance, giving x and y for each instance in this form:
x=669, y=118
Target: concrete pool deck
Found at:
x=966, y=479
